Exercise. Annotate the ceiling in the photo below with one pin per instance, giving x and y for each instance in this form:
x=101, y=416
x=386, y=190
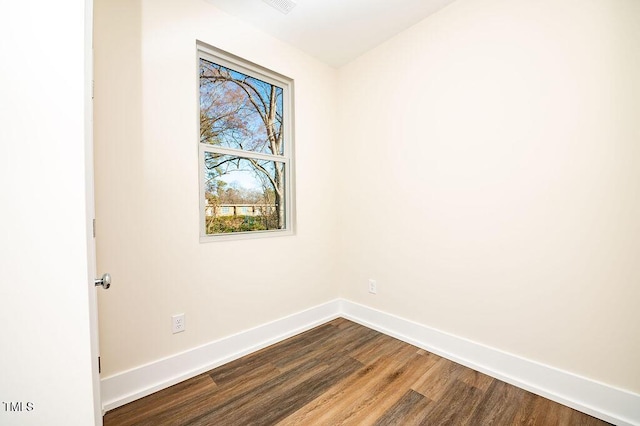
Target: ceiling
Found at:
x=334, y=31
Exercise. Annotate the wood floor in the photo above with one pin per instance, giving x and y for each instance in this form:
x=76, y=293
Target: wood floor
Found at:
x=342, y=373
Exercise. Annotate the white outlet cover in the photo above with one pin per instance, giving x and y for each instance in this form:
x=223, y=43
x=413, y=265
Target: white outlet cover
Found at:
x=177, y=323
x=373, y=287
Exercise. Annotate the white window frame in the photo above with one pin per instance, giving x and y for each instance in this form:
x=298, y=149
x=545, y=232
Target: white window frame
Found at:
x=236, y=63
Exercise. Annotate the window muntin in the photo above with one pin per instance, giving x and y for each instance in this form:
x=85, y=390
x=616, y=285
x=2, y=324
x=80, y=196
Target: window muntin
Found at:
x=245, y=148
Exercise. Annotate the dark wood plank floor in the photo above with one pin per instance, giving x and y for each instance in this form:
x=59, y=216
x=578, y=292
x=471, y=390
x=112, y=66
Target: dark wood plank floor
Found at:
x=342, y=373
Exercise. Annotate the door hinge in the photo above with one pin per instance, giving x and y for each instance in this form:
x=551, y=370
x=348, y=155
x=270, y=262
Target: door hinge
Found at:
x=99, y=366
x=94, y=227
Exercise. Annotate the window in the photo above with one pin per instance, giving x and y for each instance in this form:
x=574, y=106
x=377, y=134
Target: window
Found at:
x=245, y=148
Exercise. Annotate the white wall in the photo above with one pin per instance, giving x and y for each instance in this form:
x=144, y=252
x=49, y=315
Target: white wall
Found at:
x=508, y=130
x=508, y=133
x=45, y=355
x=147, y=186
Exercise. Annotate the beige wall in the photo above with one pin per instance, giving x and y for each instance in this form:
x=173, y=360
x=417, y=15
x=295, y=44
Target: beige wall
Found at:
x=146, y=157
x=510, y=130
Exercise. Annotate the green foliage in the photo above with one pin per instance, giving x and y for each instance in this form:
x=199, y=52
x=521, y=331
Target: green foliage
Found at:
x=228, y=224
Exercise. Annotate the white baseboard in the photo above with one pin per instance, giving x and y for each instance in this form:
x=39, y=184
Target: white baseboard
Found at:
x=588, y=396
x=139, y=382
x=597, y=399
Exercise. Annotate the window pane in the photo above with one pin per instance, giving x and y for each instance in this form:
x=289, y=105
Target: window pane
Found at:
x=243, y=194
x=239, y=111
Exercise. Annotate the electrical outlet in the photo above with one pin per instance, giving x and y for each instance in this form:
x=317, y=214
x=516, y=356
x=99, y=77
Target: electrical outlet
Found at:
x=177, y=323
x=373, y=286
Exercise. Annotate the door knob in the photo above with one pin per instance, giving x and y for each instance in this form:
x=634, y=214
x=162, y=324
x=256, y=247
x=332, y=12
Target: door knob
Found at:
x=105, y=281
